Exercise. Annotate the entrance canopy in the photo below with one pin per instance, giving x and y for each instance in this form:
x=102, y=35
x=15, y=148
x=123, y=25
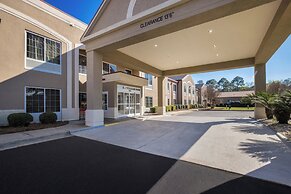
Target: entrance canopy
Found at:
x=179, y=36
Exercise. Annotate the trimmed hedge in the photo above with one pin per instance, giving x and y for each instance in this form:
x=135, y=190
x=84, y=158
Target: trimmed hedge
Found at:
x=19, y=119
x=153, y=109
x=48, y=118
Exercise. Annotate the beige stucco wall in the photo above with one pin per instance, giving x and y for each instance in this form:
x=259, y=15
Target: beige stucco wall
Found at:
x=117, y=13
x=142, y=5
x=152, y=91
x=17, y=18
x=13, y=75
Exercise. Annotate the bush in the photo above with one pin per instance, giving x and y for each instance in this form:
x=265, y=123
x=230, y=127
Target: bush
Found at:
x=282, y=115
x=153, y=109
x=19, y=119
x=168, y=108
x=48, y=118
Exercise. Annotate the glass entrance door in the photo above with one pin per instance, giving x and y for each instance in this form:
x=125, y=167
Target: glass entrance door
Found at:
x=132, y=104
x=128, y=100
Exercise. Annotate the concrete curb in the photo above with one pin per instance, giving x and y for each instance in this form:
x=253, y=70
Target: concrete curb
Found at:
x=33, y=140
x=282, y=137
x=42, y=138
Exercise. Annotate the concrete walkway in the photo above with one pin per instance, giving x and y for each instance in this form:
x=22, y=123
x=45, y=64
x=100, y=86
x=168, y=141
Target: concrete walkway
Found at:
x=14, y=140
x=225, y=140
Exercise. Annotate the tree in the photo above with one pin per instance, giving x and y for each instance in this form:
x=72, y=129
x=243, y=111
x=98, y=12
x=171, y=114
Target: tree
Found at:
x=211, y=94
x=287, y=82
x=237, y=82
x=212, y=83
x=224, y=85
x=277, y=87
x=200, y=82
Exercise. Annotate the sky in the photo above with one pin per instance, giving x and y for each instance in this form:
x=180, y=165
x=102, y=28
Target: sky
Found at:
x=278, y=67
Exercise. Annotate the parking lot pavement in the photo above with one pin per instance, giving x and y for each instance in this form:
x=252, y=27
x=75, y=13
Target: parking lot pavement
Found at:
x=231, y=142
x=78, y=165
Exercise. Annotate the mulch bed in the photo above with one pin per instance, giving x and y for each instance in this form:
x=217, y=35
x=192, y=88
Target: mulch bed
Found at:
x=31, y=127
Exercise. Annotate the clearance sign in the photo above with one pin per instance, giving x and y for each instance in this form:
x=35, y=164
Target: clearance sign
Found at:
x=157, y=20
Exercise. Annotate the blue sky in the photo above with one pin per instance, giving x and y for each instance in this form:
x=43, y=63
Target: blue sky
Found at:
x=278, y=67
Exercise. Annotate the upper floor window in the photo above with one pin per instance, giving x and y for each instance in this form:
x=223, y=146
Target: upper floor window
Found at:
x=185, y=88
x=43, y=49
x=189, y=90
x=174, y=87
x=149, y=77
x=168, y=86
x=127, y=71
x=108, y=68
x=193, y=90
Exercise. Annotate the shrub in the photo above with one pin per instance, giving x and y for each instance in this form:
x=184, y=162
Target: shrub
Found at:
x=173, y=107
x=19, y=119
x=168, y=108
x=153, y=109
x=48, y=118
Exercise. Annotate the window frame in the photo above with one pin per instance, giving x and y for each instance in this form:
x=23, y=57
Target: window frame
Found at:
x=106, y=105
x=145, y=75
x=109, y=65
x=45, y=38
x=128, y=70
x=146, y=101
x=44, y=99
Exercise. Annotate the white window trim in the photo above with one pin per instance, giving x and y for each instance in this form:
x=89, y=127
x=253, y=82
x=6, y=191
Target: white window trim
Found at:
x=43, y=98
x=54, y=64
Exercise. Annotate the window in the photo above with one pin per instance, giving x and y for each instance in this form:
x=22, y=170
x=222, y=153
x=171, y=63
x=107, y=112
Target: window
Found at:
x=127, y=71
x=185, y=88
x=149, y=101
x=35, y=47
x=52, y=100
x=189, y=90
x=82, y=64
x=108, y=68
x=149, y=77
x=175, y=101
x=168, y=85
x=43, y=49
x=185, y=102
x=168, y=101
x=193, y=90
x=34, y=100
x=53, y=50
x=105, y=101
x=40, y=100
x=175, y=88
x=189, y=101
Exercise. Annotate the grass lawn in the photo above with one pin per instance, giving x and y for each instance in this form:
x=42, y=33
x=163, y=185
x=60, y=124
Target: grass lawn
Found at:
x=235, y=108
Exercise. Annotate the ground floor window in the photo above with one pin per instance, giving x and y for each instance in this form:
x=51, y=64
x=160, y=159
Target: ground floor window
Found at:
x=185, y=102
x=105, y=101
x=40, y=100
x=149, y=101
x=169, y=102
x=175, y=101
x=189, y=101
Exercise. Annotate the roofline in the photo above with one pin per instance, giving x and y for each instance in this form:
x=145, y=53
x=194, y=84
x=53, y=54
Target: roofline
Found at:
x=150, y=12
x=97, y=13
x=57, y=13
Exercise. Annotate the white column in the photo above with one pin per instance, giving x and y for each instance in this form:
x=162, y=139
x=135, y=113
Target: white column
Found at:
x=161, y=95
x=260, y=86
x=94, y=112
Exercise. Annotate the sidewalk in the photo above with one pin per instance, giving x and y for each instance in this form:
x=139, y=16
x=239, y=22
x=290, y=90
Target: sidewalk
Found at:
x=14, y=140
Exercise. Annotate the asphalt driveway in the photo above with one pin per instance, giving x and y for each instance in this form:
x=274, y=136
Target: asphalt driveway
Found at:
x=229, y=141
x=78, y=165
